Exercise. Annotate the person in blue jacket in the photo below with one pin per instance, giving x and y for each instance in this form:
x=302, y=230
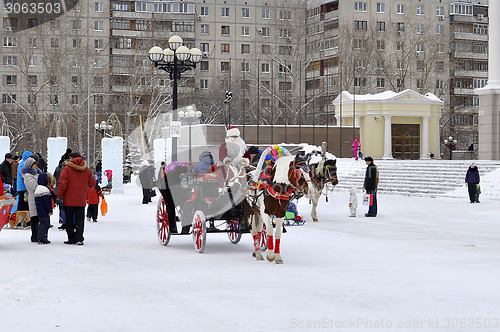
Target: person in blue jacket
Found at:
x=21, y=188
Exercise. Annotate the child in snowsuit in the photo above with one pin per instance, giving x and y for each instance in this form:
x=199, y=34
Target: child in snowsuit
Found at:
x=353, y=202
x=43, y=202
x=93, y=201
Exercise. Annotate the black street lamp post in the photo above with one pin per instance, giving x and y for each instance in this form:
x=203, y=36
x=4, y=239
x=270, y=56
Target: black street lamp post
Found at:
x=175, y=60
x=450, y=143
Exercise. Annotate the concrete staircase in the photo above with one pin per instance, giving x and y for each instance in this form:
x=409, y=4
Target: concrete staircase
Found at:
x=429, y=178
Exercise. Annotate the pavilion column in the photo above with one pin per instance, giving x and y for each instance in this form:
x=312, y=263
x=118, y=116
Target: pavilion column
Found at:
x=388, y=138
x=424, y=150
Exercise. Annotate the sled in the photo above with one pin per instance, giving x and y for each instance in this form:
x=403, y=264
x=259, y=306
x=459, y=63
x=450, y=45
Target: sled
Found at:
x=6, y=204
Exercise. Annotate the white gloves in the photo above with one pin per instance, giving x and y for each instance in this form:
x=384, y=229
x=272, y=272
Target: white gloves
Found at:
x=227, y=161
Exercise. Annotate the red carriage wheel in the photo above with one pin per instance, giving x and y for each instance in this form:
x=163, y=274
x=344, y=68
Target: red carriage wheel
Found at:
x=199, y=231
x=263, y=238
x=234, y=231
x=162, y=222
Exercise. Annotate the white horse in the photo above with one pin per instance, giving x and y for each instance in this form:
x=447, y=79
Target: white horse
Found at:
x=270, y=199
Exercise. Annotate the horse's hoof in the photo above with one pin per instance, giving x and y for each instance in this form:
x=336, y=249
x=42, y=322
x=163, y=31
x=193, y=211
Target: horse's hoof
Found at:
x=258, y=256
x=279, y=261
x=253, y=254
x=315, y=220
x=270, y=258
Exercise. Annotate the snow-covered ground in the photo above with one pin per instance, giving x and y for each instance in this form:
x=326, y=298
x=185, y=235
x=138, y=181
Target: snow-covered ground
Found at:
x=422, y=265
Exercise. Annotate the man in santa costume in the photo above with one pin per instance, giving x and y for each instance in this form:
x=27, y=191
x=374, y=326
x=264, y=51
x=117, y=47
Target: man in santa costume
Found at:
x=233, y=150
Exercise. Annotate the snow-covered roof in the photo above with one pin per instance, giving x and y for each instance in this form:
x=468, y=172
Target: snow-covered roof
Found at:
x=386, y=96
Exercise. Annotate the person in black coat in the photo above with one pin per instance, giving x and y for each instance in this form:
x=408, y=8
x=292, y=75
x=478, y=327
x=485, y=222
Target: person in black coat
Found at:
x=370, y=185
x=6, y=170
x=472, y=180
x=43, y=203
x=147, y=179
x=42, y=164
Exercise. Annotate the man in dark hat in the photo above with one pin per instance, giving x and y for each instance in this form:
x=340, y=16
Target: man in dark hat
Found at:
x=370, y=185
x=255, y=154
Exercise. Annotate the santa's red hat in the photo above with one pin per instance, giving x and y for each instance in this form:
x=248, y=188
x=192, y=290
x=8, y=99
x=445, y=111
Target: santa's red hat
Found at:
x=232, y=131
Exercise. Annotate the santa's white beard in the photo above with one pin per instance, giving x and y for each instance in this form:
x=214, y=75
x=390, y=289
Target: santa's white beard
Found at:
x=235, y=148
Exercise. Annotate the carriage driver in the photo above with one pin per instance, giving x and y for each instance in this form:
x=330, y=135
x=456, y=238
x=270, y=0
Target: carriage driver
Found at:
x=268, y=155
x=233, y=150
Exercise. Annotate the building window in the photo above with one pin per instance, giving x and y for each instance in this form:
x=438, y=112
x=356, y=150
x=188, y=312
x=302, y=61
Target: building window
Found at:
x=381, y=45
x=224, y=48
x=285, y=86
x=245, y=31
x=54, y=99
x=9, y=79
x=204, y=47
x=224, y=66
x=32, y=22
x=266, y=49
x=360, y=44
x=420, y=65
x=245, y=12
x=245, y=48
x=54, y=24
x=439, y=11
x=10, y=22
x=420, y=28
x=380, y=83
x=285, y=33
x=32, y=42
x=439, y=84
x=285, y=50
x=31, y=99
x=265, y=67
x=400, y=83
x=399, y=64
x=419, y=83
x=224, y=30
x=77, y=25
x=204, y=29
x=264, y=32
x=140, y=6
x=245, y=67
x=123, y=43
x=360, y=6
x=285, y=15
x=74, y=99
x=54, y=42
x=380, y=26
x=225, y=12
x=380, y=7
x=400, y=26
x=9, y=60
x=283, y=70
x=32, y=61
x=204, y=84
x=420, y=47
x=8, y=98
x=439, y=65
x=400, y=9
x=120, y=24
x=266, y=84
x=399, y=46
x=204, y=65
x=74, y=81
x=9, y=42
x=439, y=29
x=98, y=44
x=360, y=25
x=420, y=9
x=266, y=14
x=98, y=7
x=479, y=83
x=98, y=25
x=98, y=63
x=204, y=11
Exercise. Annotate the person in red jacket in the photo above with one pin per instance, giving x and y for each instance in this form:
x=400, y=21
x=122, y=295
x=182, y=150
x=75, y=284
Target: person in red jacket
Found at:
x=93, y=201
x=74, y=182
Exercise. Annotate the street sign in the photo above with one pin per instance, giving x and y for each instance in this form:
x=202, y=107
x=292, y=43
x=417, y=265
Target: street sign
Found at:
x=229, y=96
x=175, y=129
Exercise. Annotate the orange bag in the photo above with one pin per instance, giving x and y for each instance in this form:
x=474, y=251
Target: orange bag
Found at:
x=104, y=207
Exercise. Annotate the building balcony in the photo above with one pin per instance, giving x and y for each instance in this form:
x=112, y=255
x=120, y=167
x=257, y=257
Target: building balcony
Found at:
x=332, y=15
x=471, y=73
x=463, y=91
x=469, y=36
x=470, y=55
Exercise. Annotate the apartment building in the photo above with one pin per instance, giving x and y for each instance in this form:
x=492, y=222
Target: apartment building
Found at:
x=468, y=69
x=284, y=61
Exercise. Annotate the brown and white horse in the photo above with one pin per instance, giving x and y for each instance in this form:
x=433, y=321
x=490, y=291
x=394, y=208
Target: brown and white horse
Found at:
x=270, y=199
x=315, y=182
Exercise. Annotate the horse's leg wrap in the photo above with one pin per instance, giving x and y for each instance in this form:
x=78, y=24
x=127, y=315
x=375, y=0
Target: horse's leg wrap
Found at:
x=270, y=243
x=256, y=241
x=277, y=248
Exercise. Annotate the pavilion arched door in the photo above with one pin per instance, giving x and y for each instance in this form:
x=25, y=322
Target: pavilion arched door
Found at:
x=406, y=141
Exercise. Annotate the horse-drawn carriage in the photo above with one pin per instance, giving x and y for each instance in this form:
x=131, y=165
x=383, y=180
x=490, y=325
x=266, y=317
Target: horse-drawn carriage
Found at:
x=223, y=196
x=215, y=204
